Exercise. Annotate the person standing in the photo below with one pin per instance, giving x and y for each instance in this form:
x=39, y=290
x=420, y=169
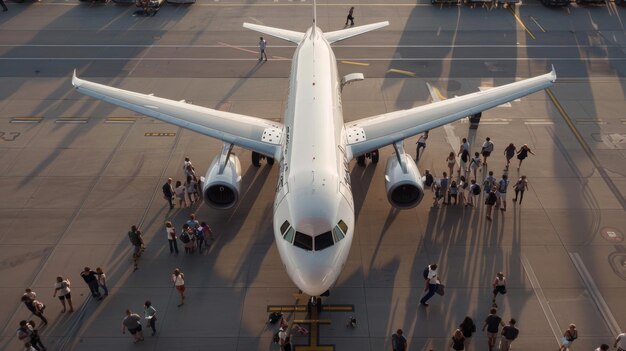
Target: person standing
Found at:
x=509, y=333
x=474, y=164
x=188, y=237
x=492, y=323
x=520, y=187
x=522, y=154
x=487, y=149
x=136, y=239
x=4, y=6
x=102, y=281
x=499, y=287
x=451, y=160
x=262, y=46
x=490, y=201
x=468, y=328
x=568, y=338
x=458, y=341
x=503, y=185
x=398, y=341
x=35, y=307
x=620, y=342
x=168, y=192
x=149, y=313
x=428, y=178
x=463, y=191
x=474, y=193
x=192, y=190
x=62, y=286
x=509, y=152
x=452, y=194
x=189, y=170
x=489, y=182
x=443, y=182
x=208, y=232
x=464, y=153
x=350, y=17
x=432, y=283
x=132, y=322
x=180, y=190
x=171, y=236
x=179, y=283
x=200, y=238
x=421, y=144
x=91, y=278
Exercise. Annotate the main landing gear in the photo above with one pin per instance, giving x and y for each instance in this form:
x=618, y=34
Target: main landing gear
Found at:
x=360, y=160
x=257, y=157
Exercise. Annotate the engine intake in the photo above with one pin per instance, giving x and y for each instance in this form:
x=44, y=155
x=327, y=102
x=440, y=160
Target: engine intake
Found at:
x=403, y=184
x=222, y=187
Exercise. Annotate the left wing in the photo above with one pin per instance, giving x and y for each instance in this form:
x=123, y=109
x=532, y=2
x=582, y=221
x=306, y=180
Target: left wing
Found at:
x=374, y=132
x=252, y=133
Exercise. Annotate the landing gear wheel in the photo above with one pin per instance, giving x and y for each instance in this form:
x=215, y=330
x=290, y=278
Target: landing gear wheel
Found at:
x=360, y=160
x=270, y=161
x=375, y=156
x=256, y=159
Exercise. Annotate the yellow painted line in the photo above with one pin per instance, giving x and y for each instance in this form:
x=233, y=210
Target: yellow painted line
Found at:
x=355, y=63
x=408, y=73
x=575, y=131
x=519, y=20
x=160, y=134
x=346, y=308
x=286, y=308
x=312, y=321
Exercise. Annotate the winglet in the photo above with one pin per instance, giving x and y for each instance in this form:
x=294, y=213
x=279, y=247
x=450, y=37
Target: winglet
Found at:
x=435, y=94
x=553, y=74
x=75, y=80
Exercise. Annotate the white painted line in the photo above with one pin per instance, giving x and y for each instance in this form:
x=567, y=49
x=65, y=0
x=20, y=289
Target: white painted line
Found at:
x=418, y=59
x=539, y=123
x=25, y=121
x=293, y=46
x=541, y=297
x=494, y=123
x=596, y=296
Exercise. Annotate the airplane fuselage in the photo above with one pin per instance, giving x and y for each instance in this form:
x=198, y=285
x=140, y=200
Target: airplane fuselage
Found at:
x=313, y=191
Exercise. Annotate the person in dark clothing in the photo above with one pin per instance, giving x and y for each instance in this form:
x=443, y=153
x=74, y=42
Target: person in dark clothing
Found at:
x=492, y=324
x=398, y=341
x=468, y=328
x=35, y=340
x=35, y=307
x=4, y=7
x=168, y=192
x=91, y=278
x=350, y=17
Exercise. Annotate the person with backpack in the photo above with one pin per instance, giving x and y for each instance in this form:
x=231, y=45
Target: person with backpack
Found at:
x=520, y=187
x=503, y=185
x=136, y=239
x=431, y=279
x=398, y=341
x=453, y=192
x=474, y=193
x=464, y=153
x=35, y=339
x=475, y=163
x=490, y=201
x=509, y=333
x=187, y=236
x=428, y=179
x=35, y=307
x=492, y=324
x=489, y=182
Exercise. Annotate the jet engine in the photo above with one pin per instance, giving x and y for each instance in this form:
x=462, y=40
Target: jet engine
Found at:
x=222, y=183
x=403, y=181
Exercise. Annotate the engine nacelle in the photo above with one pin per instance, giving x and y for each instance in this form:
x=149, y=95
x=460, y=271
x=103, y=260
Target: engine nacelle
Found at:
x=222, y=187
x=404, y=185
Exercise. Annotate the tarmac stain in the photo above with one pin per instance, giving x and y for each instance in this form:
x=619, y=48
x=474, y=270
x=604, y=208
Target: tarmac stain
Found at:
x=14, y=261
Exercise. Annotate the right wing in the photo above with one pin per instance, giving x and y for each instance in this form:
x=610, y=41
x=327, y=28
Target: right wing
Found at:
x=285, y=34
x=252, y=133
x=374, y=132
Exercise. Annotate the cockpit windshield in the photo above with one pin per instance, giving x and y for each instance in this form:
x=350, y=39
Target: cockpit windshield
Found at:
x=317, y=243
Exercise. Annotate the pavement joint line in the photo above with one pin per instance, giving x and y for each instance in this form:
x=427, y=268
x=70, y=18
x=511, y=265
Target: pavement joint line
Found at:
x=539, y=123
x=596, y=296
x=541, y=298
x=537, y=23
x=521, y=23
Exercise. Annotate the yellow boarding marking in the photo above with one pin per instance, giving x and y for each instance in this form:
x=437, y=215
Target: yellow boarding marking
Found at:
x=286, y=309
x=519, y=20
x=160, y=134
x=408, y=73
x=338, y=308
x=355, y=63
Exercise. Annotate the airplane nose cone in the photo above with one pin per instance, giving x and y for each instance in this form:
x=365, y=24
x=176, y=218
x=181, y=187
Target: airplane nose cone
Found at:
x=314, y=280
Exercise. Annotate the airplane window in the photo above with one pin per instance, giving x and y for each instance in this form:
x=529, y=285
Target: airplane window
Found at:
x=323, y=241
x=289, y=235
x=284, y=227
x=337, y=234
x=303, y=241
x=343, y=226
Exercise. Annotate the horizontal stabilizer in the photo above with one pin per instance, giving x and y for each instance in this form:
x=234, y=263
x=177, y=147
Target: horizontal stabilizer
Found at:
x=342, y=34
x=289, y=35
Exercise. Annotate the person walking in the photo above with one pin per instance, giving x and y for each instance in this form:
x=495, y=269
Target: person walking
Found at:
x=262, y=46
x=171, y=236
x=24, y=334
x=398, y=341
x=603, y=347
x=503, y=186
x=102, y=281
x=35, y=306
x=490, y=201
x=454, y=191
x=443, y=182
x=208, y=232
x=451, y=161
x=132, y=322
x=464, y=154
x=520, y=187
x=437, y=194
x=35, y=339
x=350, y=17
x=489, y=182
x=458, y=341
x=179, y=283
x=91, y=278
x=62, y=286
x=468, y=328
x=499, y=287
x=568, y=338
x=192, y=190
x=136, y=239
x=432, y=284
x=180, y=193
x=188, y=237
x=168, y=192
x=522, y=154
x=421, y=144
x=4, y=6
x=463, y=191
x=487, y=149
x=149, y=313
x=620, y=342
x=190, y=171
x=474, y=193
x=492, y=323
x=474, y=164
x=509, y=333
x=509, y=152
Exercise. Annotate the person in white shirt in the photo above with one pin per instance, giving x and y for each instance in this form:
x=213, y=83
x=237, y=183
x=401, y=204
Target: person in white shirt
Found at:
x=262, y=46
x=432, y=284
x=487, y=149
x=421, y=144
x=179, y=283
x=620, y=342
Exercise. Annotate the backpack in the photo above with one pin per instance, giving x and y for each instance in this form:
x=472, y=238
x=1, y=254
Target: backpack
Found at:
x=464, y=155
x=425, y=273
x=491, y=199
x=276, y=338
x=274, y=317
x=428, y=180
x=503, y=185
x=475, y=189
x=184, y=237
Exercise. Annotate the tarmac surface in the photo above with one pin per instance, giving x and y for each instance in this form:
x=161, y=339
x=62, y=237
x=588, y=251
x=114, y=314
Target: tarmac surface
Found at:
x=75, y=174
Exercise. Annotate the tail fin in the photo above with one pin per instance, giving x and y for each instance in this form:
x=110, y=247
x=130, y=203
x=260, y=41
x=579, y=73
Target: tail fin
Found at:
x=342, y=34
x=289, y=35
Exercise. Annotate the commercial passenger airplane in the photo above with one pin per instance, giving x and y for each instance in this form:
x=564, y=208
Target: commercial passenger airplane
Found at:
x=313, y=208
